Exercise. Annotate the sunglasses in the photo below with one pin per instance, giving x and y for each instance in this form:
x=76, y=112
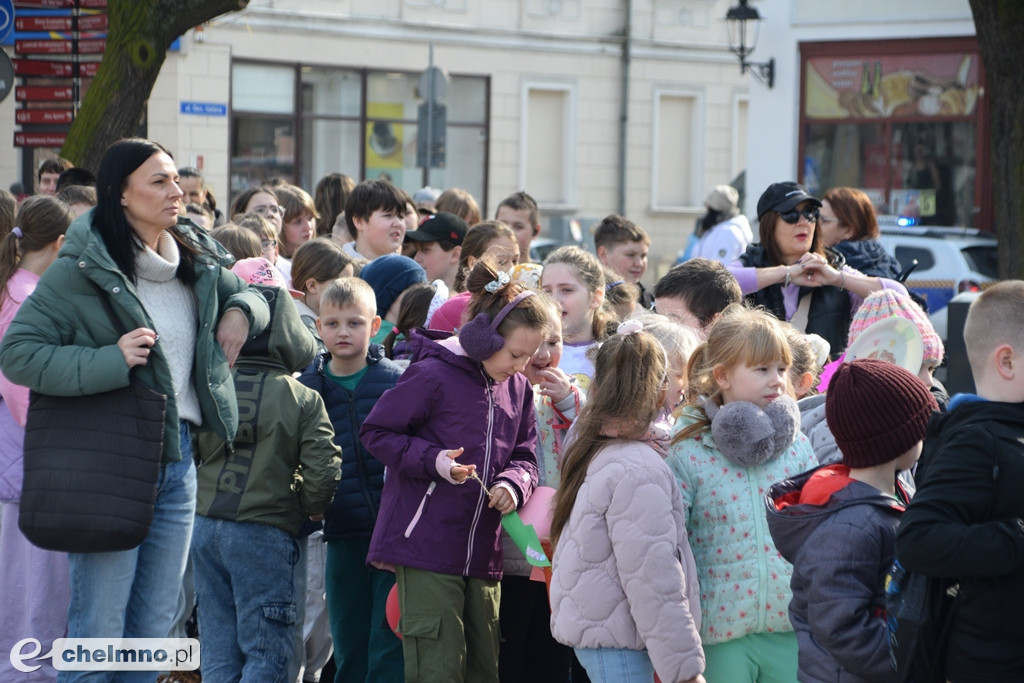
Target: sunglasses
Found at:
x=793, y=215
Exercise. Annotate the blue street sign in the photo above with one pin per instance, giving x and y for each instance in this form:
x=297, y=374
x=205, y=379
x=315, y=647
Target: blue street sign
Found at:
x=6, y=19
x=204, y=108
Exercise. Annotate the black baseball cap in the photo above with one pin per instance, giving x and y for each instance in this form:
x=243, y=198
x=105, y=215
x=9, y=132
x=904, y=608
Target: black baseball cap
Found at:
x=784, y=196
x=440, y=226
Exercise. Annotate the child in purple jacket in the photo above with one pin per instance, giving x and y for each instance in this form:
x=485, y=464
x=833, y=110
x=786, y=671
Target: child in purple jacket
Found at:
x=462, y=410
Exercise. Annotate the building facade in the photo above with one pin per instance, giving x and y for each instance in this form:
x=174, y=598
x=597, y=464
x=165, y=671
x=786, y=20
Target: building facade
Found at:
x=592, y=106
x=886, y=95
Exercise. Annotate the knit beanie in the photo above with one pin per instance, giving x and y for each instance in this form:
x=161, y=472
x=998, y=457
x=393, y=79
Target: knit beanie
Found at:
x=389, y=276
x=886, y=303
x=876, y=411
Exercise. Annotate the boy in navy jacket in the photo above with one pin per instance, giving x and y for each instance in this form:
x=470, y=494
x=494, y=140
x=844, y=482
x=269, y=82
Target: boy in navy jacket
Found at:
x=350, y=376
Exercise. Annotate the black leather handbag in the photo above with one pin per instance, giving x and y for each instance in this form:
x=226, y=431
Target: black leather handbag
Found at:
x=91, y=467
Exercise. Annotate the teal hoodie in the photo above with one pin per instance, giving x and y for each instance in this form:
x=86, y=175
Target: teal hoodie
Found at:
x=63, y=343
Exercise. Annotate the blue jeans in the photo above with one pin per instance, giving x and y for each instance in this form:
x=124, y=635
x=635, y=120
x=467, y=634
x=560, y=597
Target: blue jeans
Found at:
x=616, y=665
x=246, y=590
x=134, y=593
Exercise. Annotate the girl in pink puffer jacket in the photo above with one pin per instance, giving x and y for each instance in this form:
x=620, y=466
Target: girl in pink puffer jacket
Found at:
x=624, y=584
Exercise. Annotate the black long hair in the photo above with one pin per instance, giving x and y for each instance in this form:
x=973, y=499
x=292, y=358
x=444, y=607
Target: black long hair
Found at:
x=108, y=219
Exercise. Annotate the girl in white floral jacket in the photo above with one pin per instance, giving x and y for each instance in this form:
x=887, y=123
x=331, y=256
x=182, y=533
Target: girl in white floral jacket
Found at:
x=738, y=434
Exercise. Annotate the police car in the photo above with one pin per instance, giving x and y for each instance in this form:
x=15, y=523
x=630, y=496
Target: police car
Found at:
x=949, y=261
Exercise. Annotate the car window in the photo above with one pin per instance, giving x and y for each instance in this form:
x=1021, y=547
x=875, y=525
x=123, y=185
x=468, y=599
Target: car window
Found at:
x=983, y=259
x=925, y=258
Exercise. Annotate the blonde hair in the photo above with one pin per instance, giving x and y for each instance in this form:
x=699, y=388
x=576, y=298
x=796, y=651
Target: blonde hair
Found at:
x=589, y=271
x=805, y=360
x=619, y=294
x=994, y=318
x=256, y=223
x=240, y=242
x=347, y=291
x=461, y=203
x=679, y=341
x=629, y=378
x=742, y=336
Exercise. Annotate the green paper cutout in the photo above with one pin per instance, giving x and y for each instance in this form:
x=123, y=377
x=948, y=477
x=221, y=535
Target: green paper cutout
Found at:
x=525, y=538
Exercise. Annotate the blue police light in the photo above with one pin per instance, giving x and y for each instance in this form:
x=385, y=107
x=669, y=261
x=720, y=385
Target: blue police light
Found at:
x=906, y=221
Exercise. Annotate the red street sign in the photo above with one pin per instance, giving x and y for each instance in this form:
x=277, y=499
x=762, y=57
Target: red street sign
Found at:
x=44, y=116
x=42, y=93
x=44, y=67
x=59, y=4
x=86, y=22
x=23, y=139
x=42, y=47
x=91, y=46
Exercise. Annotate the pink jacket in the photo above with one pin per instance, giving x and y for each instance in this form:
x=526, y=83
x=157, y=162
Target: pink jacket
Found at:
x=14, y=407
x=623, y=575
x=21, y=284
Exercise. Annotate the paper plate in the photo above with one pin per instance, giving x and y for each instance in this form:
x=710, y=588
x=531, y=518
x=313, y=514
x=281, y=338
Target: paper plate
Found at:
x=895, y=340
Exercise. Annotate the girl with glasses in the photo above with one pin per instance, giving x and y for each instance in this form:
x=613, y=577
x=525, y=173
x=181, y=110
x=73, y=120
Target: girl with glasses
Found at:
x=793, y=275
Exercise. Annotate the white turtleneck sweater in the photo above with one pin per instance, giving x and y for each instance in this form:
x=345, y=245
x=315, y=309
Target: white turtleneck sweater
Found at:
x=172, y=307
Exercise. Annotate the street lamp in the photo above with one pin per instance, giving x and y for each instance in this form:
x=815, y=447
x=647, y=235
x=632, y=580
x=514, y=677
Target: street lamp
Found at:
x=744, y=22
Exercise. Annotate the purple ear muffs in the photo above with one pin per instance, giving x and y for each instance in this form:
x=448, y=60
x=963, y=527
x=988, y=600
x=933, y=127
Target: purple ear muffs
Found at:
x=480, y=338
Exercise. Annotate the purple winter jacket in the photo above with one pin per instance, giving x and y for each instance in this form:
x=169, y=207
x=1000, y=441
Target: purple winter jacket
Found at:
x=445, y=401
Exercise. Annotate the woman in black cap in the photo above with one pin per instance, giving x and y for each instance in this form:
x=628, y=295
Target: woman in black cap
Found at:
x=792, y=275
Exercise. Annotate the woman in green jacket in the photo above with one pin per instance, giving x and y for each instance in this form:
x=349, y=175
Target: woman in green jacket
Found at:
x=187, y=317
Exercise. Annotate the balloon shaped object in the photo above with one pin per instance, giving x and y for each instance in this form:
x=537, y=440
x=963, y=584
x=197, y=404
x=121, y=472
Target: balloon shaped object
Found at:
x=537, y=511
x=392, y=611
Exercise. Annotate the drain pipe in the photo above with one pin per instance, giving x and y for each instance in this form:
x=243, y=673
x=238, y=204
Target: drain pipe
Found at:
x=624, y=115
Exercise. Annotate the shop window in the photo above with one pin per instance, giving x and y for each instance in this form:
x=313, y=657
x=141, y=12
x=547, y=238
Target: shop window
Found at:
x=359, y=122
x=900, y=120
x=263, y=88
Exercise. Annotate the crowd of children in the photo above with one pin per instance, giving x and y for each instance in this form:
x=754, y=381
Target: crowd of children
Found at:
x=726, y=502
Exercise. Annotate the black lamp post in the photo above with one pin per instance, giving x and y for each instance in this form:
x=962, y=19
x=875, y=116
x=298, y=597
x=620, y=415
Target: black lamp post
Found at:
x=744, y=23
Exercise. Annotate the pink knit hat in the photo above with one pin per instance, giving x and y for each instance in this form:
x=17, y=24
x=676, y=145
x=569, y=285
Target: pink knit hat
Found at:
x=886, y=303
x=260, y=271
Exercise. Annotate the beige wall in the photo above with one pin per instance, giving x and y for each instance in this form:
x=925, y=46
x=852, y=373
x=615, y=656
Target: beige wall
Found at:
x=678, y=46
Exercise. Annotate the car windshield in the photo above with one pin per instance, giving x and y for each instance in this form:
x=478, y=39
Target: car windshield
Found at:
x=983, y=259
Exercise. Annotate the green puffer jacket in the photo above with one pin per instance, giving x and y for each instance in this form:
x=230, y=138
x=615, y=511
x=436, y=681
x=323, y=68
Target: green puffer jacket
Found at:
x=283, y=466
x=63, y=343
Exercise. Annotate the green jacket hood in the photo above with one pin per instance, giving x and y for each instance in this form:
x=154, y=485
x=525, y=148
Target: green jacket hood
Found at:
x=286, y=342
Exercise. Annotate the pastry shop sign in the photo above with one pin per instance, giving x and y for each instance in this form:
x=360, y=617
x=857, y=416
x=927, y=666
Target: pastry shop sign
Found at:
x=899, y=86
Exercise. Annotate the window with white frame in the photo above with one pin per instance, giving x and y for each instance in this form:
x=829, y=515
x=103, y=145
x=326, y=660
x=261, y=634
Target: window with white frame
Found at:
x=677, y=159
x=547, y=146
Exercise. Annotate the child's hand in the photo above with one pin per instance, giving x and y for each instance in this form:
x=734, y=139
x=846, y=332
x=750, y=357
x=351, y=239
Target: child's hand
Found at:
x=501, y=500
x=316, y=518
x=554, y=383
x=459, y=473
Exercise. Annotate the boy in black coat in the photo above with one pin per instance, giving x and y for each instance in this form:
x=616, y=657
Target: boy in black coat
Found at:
x=966, y=519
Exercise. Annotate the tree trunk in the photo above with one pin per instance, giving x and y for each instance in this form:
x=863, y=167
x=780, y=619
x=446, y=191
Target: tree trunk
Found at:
x=139, y=34
x=1000, y=25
